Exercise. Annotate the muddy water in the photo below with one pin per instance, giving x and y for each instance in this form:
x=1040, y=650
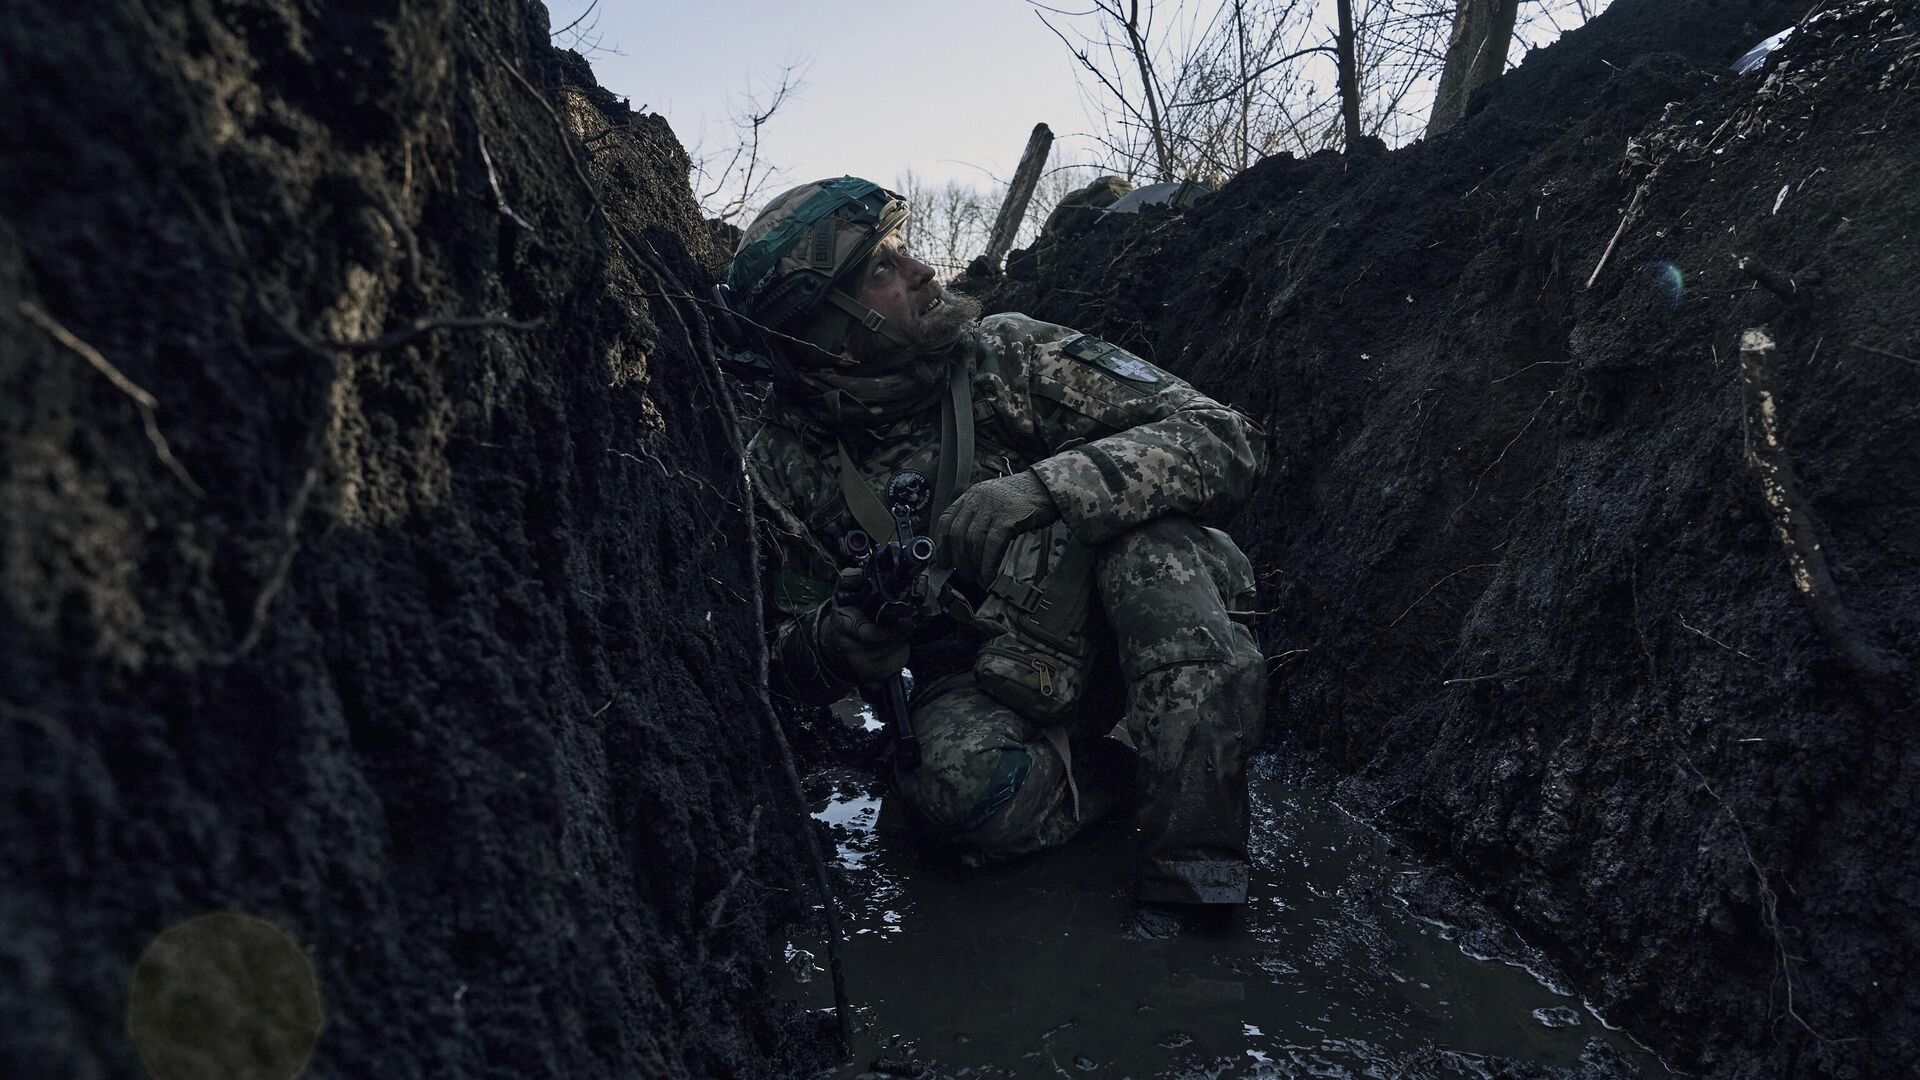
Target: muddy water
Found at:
x=1340, y=966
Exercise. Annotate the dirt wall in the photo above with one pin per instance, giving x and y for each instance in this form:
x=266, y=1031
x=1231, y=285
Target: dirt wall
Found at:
x=365, y=517
x=1530, y=593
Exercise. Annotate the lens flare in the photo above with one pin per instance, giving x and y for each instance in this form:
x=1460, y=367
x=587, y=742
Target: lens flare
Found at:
x=1668, y=282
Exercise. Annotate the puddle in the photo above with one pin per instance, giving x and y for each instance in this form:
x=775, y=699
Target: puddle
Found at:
x=1339, y=966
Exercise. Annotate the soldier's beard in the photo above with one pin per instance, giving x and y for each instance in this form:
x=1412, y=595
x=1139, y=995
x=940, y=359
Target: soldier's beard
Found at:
x=929, y=336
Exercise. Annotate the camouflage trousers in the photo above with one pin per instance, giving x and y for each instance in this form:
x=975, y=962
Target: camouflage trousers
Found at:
x=1193, y=687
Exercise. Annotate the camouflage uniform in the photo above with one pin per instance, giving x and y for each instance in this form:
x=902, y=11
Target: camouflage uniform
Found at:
x=1133, y=459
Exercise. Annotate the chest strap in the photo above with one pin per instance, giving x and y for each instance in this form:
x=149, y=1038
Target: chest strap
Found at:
x=954, y=475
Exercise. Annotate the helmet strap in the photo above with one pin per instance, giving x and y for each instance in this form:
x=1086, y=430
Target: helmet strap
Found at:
x=869, y=318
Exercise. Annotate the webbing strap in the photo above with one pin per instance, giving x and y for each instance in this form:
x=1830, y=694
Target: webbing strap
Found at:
x=956, y=439
x=868, y=318
x=868, y=509
x=956, y=462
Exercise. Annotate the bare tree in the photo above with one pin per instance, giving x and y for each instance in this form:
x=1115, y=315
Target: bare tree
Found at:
x=1200, y=89
x=730, y=180
x=949, y=224
x=1349, y=78
x=1476, y=52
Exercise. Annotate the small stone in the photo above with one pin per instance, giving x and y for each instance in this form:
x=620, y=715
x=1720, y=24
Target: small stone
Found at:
x=1085, y=1063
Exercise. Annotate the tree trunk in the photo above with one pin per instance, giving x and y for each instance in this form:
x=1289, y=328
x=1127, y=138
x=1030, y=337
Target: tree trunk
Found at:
x=1476, y=52
x=1138, y=43
x=1014, y=210
x=1349, y=76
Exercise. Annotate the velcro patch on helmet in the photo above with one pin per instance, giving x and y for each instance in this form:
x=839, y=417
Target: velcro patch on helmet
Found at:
x=1112, y=358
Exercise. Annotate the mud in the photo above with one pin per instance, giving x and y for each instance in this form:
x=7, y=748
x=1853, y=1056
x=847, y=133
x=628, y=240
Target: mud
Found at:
x=1533, y=604
x=422, y=645
x=423, y=639
x=1349, y=961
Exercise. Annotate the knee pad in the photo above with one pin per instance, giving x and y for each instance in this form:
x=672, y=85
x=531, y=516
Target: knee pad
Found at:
x=958, y=794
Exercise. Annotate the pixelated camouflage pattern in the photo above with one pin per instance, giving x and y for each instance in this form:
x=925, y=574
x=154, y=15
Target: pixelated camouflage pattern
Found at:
x=1115, y=455
x=1194, y=706
x=1112, y=454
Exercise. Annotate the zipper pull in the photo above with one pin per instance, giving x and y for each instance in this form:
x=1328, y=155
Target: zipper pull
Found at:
x=1046, y=677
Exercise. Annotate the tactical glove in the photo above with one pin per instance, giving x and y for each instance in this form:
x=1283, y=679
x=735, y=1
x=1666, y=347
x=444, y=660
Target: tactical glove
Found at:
x=855, y=648
x=974, y=532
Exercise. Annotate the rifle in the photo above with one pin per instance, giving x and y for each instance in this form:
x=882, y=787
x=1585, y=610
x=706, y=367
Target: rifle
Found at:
x=891, y=589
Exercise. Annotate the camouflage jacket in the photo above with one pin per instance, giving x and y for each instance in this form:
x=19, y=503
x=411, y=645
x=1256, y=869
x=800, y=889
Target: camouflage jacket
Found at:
x=1115, y=440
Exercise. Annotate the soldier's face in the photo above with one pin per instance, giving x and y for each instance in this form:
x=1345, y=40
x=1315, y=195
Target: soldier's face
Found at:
x=903, y=289
x=897, y=285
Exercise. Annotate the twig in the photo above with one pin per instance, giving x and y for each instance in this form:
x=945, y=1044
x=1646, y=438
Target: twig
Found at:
x=1882, y=352
x=493, y=181
x=718, y=905
x=1475, y=489
x=1280, y=660
x=1632, y=206
x=1529, y=367
x=730, y=428
x=145, y=401
x=1683, y=622
x=566, y=132
x=1640, y=630
x=1769, y=900
x=1511, y=672
x=1435, y=585
x=577, y=20
x=283, y=565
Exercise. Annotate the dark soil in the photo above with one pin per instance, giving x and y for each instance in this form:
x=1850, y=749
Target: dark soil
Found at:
x=1530, y=597
x=415, y=650
x=427, y=645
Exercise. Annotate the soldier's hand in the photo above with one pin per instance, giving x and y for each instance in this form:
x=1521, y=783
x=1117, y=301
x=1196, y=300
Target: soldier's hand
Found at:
x=857, y=648
x=974, y=532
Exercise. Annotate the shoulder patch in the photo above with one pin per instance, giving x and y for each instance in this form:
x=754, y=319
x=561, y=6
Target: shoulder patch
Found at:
x=1112, y=358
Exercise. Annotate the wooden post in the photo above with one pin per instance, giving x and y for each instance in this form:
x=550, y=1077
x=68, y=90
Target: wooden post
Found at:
x=1476, y=53
x=1014, y=210
x=1349, y=75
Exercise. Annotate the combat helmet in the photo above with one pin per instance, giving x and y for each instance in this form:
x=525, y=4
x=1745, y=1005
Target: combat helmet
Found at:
x=790, y=273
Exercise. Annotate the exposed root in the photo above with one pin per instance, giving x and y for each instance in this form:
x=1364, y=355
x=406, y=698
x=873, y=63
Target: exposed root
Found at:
x=1794, y=523
x=1881, y=352
x=143, y=400
x=1511, y=673
x=700, y=346
x=282, y=566
x=493, y=180
x=1683, y=622
x=1475, y=489
x=1769, y=900
x=1435, y=585
x=718, y=905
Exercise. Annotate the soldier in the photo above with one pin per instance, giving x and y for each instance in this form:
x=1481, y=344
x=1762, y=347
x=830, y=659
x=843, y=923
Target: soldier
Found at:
x=1073, y=478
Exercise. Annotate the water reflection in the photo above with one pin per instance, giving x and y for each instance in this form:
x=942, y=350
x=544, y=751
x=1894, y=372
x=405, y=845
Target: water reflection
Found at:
x=1017, y=969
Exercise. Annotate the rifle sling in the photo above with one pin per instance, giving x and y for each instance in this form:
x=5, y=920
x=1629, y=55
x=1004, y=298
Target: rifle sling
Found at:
x=954, y=476
x=868, y=508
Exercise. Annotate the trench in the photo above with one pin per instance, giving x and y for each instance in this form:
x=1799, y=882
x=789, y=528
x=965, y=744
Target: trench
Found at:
x=1348, y=961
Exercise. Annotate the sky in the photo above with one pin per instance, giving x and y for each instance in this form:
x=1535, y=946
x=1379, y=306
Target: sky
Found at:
x=949, y=90
x=946, y=89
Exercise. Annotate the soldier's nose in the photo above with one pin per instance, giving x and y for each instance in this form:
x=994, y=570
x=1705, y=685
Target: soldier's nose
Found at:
x=919, y=272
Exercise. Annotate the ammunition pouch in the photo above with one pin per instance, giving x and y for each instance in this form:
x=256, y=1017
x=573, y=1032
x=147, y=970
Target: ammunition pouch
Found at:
x=1036, y=620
